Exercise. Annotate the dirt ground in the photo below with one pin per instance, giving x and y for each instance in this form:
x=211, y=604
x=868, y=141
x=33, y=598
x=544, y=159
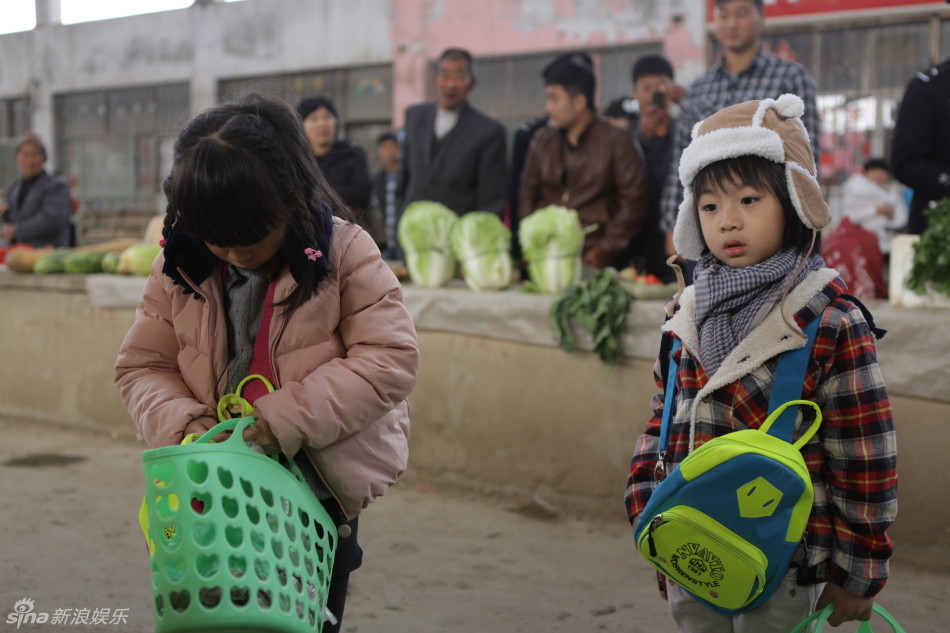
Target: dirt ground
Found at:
x=437, y=558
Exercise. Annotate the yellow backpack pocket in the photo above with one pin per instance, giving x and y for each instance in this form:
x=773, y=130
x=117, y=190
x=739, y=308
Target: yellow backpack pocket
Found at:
x=704, y=557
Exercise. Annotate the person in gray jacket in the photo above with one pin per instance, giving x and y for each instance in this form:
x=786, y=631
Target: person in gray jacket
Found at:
x=38, y=210
x=453, y=153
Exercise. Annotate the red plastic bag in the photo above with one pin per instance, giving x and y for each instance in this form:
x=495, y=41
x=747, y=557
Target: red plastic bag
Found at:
x=855, y=253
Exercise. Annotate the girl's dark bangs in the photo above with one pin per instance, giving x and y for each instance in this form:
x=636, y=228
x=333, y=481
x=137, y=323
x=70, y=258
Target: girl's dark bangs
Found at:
x=220, y=195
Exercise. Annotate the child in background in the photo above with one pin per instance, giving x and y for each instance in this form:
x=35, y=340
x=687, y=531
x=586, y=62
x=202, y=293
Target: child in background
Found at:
x=258, y=276
x=873, y=205
x=751, y=216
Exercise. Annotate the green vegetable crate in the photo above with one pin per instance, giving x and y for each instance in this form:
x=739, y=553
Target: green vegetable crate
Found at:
x=241, y=544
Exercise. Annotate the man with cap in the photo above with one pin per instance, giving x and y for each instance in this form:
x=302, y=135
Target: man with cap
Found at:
x=452, y=153
x=584, y=163
x=622, y=112
x=921, y=150
x=38, y=210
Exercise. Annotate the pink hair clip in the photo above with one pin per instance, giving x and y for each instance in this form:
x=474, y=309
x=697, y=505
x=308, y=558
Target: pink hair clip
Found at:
x=313, y=254
x=162, y=243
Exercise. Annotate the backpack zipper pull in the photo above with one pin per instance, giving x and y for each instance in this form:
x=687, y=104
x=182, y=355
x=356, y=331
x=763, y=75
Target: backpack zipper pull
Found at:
x=653, y=525
x=659, y=471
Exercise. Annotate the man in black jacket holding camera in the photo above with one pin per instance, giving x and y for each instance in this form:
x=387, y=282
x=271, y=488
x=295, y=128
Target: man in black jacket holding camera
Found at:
x=652, y=126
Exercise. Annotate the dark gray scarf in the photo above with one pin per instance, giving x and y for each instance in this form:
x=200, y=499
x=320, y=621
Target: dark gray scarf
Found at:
x=246, y=293
x=730, y=302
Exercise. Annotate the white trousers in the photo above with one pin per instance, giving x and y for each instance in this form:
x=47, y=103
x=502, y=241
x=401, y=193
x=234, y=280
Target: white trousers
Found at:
x=789, y=605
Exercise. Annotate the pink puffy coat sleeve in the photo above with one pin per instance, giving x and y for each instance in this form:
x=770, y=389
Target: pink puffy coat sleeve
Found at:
x=148, y=375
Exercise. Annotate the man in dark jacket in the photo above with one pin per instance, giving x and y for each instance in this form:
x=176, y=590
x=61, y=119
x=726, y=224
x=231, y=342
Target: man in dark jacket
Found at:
x=38, y=210
x=653, y=91
x=385, y=190
x=583, y=162
x=920, y=154
x=520, y=144
x=452, y=153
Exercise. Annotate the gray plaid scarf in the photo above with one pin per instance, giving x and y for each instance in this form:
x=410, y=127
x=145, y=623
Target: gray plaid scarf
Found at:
x=730, y=302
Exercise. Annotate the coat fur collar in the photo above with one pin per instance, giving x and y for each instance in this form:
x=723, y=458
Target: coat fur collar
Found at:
x=769, y=338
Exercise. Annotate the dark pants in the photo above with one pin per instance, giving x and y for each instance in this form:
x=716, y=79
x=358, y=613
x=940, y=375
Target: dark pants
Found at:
x=349, y=557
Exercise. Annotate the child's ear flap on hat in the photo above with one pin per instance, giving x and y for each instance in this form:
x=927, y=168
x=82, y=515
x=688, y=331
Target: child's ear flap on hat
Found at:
x=811, y=204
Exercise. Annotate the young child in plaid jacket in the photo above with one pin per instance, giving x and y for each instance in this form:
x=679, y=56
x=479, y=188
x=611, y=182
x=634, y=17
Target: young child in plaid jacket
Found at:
x=751, y=214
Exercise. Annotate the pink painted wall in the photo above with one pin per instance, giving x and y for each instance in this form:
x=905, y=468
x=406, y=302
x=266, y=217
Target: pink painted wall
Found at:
x=422, y=29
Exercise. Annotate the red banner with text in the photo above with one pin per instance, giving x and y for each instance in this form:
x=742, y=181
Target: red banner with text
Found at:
x=788, y=8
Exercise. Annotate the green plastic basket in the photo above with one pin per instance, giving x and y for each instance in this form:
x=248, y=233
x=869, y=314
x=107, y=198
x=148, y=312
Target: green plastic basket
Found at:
x=241, y=543
x=820, y=618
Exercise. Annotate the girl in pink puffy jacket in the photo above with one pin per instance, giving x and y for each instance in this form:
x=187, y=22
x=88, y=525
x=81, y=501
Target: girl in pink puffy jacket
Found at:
x=258, y=276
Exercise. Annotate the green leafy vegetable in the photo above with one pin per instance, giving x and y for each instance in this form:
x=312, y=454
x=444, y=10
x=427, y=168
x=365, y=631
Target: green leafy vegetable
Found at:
x=551, y=240
x=931, y=269
x=482, y=243
x=423, y=233
x=600, y=306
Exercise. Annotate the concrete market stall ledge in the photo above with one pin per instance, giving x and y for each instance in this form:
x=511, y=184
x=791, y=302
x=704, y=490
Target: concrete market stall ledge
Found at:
x=914, y=355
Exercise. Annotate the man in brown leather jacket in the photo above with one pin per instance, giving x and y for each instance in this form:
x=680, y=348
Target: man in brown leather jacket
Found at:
x=584, y=163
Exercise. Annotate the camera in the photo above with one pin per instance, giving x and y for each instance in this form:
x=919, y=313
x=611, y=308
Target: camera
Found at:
x=659, y=98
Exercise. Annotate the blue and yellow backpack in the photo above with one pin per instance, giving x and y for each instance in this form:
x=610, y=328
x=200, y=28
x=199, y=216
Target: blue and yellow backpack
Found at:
x=725, y=524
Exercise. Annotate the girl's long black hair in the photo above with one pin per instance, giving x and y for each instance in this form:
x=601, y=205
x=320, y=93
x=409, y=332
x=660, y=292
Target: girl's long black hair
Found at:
x=242, y=169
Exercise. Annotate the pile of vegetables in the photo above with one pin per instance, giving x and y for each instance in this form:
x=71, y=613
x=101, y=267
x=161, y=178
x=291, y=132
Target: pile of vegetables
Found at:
x=482, y=243
x=424, y=234
x=931, y=268
x=598, y=305
x=122, y=256
x=551, y=240
x=435, y=239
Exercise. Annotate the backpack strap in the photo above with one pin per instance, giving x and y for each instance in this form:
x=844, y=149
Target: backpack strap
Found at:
x=877, y=331
x=809, y=432
x=669, y=405
x=788, y=383
x=669, y=397
x=787, y=386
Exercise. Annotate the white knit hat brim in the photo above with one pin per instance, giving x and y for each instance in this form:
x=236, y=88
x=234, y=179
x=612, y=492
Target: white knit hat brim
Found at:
x=703, y=151
x=730, y=142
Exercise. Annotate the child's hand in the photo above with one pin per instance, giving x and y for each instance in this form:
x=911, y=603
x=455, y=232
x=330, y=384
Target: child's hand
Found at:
x=848, y=606
x=200, y=425
x=260, y=433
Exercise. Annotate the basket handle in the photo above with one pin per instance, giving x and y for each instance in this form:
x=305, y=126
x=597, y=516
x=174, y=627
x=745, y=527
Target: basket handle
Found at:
x=821, y=617
x=238, y=424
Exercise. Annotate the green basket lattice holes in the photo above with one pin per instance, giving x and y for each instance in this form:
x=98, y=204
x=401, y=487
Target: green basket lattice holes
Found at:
x=231, y=554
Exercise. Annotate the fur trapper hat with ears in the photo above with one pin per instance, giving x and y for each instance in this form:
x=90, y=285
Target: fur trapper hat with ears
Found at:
x=770, y=128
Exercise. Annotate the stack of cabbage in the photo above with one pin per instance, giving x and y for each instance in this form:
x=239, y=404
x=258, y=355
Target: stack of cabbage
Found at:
x=482, y=243
x=424, y=235
x=551, y=240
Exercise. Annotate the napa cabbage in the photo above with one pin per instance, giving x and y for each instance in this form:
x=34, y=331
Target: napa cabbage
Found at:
x=424, y=234
x=482, y=244
x=551, y=241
